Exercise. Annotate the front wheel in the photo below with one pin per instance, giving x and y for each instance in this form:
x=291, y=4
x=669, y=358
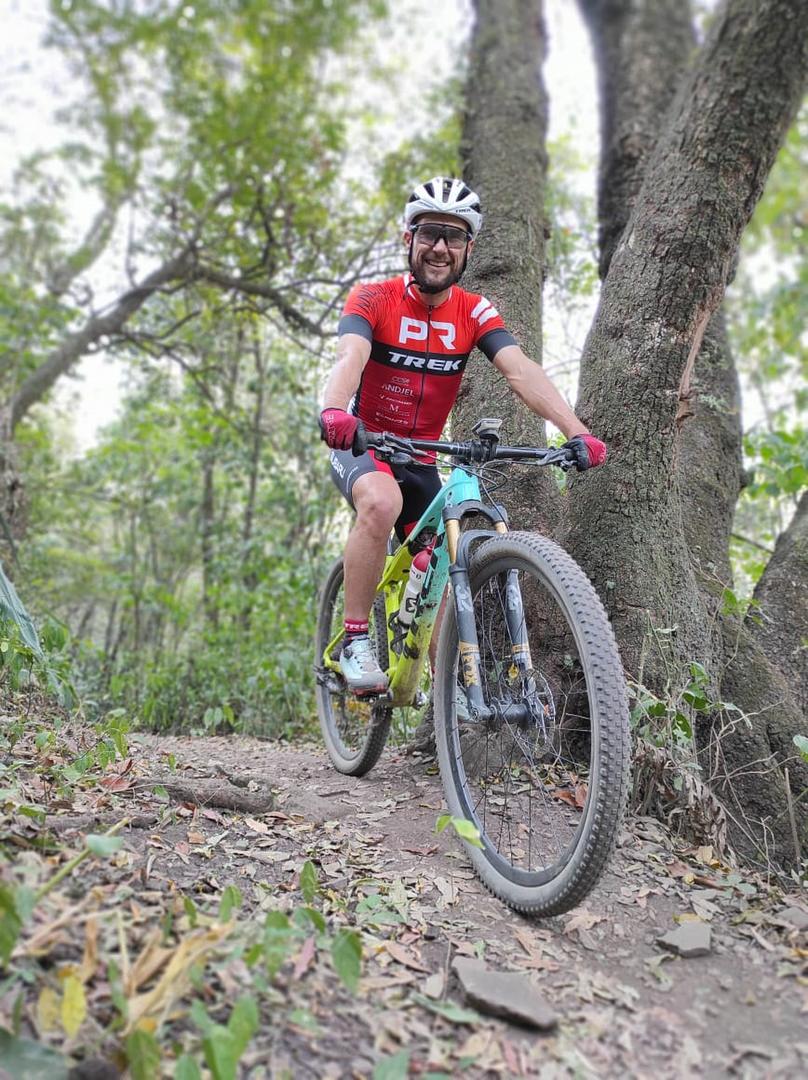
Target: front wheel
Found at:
x=544, y=777
x=354, y=730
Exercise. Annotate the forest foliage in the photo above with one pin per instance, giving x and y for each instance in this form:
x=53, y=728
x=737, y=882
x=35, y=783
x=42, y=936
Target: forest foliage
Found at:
x=200, y=228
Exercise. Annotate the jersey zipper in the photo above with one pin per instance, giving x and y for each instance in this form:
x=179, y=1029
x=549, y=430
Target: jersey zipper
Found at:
x=423, y=375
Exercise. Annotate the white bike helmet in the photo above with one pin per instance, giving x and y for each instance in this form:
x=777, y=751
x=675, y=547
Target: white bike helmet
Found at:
x=445, y=195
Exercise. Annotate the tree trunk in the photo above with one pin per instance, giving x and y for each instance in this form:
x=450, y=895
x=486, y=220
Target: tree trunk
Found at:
x=249, y=574
x=642, y=52
x=207, y=525
x=504, y=159
x=652, y=527
x=780, y=624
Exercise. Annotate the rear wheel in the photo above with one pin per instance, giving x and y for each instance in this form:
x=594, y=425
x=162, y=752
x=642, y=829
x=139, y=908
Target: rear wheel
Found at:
x=354, y=729
x=545, y=778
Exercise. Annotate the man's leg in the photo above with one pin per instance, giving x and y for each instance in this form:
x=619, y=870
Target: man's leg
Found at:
x=377, y=500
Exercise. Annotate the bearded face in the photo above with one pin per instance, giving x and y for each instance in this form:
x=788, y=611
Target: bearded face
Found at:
x=439, y=246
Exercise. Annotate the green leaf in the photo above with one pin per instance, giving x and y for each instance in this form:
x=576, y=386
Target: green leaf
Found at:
x=143, y=1055
x=278, y=941
x=309, y=884
x=448, y=1010
x=231, y=898
x=221, y=1052
x=190, y=910
x=16, y=905
x=396, y=1067
x=465, y=829
x=103, y=846
x=312, y=916
x=801, y=743
x=243, y=1022
x=24, y=1058
x=199, y=1015
x=346, y=956
x=187, y=1069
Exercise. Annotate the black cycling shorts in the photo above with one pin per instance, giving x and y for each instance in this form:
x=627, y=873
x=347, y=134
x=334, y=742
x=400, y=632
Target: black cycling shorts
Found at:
x=419, y=483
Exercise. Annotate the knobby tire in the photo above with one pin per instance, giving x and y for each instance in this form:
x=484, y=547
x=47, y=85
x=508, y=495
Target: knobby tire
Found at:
x=354, y=730
x=573, y=747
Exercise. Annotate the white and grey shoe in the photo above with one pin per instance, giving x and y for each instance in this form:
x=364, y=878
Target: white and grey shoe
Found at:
x=360, y=667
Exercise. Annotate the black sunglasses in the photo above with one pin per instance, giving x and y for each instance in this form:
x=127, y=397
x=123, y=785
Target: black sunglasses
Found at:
x=430, y=234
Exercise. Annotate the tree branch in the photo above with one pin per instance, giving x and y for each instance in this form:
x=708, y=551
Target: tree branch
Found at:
x=263, y=291
x=96, y=327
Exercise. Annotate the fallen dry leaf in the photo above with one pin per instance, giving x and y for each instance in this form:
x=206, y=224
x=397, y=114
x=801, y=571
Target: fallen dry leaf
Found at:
x=175, y=980
x=89, y=961
x=583, y=920
x=256, y=826
x=151, y=958
x=305, y=958
x=405, y=956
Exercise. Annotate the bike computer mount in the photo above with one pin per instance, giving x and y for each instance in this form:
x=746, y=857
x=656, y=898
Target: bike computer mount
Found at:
x=487, y=431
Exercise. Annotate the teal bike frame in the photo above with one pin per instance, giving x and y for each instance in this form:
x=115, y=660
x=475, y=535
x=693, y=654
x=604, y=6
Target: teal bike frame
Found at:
x=407, y=659
x=408, y=650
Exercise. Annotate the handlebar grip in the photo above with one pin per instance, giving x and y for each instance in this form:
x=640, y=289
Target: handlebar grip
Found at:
x=360, y=440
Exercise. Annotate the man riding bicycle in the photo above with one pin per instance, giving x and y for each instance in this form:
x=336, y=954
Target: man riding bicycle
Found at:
x=402, y=350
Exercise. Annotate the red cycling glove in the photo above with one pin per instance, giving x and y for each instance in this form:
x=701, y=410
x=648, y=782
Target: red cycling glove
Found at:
x=338, y=428
x=588, y=451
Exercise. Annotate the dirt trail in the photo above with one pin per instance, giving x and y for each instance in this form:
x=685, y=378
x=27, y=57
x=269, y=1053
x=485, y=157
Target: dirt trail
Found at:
x=626, y=1006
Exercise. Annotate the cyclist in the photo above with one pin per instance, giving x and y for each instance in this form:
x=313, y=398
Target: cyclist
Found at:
x=403, y=346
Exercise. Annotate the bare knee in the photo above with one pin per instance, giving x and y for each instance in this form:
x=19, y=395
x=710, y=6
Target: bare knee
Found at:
x=378, y=503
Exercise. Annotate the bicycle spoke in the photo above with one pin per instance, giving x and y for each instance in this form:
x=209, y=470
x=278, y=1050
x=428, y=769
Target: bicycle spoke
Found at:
x=526, y=782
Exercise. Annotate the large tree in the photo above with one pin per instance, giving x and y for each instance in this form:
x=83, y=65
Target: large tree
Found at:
x=688, y=138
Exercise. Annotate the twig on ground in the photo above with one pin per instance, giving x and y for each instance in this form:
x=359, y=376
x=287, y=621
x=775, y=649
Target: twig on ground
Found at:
x=215, y=794
x=792, y=819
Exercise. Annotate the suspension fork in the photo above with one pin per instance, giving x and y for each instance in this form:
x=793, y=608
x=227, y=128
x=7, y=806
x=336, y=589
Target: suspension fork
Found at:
x=468, y=643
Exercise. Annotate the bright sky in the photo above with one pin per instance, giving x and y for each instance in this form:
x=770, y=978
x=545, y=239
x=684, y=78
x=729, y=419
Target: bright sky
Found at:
x=33, y=86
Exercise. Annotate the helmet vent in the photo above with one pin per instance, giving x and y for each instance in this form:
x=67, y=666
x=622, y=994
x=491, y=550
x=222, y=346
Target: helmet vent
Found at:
x=464, y=193
x=447, y=187
x=429, y=189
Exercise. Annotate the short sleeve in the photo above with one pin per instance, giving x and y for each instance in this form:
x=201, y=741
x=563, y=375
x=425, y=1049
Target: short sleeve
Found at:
x=494, y=340
x=488, y=327
x=361, y=312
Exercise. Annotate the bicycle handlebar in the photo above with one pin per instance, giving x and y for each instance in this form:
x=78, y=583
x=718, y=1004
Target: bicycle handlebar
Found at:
x=471, y=451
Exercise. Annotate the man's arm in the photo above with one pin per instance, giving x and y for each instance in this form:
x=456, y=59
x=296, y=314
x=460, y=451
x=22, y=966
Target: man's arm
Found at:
x=353, y=352
x=528, y=380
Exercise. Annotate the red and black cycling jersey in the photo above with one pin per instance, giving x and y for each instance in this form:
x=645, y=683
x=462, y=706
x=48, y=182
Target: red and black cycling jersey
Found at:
x=418, y=353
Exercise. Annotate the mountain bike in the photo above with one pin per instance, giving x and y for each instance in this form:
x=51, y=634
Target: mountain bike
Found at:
x=530, y=702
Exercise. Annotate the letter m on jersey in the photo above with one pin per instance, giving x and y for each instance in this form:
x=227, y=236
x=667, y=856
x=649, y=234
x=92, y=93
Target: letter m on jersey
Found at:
x=417, y=330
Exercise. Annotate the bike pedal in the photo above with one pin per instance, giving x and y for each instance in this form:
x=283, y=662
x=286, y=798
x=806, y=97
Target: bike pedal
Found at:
x=372, y=695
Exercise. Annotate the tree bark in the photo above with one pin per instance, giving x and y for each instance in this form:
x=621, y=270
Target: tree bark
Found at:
x=779, y=625
x=207, y=527
x=504, y=160
x=641, y=53
x=665, y=280
x=653, y=529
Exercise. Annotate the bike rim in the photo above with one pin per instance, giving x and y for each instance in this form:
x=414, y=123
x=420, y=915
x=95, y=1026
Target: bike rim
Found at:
x=350, y=720
x=529, y=786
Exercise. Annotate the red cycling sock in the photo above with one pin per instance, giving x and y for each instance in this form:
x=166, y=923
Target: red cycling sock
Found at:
x=356, y=627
